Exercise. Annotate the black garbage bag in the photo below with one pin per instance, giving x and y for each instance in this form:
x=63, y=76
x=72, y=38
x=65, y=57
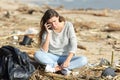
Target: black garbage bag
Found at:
x=14, y=64
x=108, y=72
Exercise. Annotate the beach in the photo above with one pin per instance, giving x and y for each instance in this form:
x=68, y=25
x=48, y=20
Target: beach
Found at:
x=97, y=30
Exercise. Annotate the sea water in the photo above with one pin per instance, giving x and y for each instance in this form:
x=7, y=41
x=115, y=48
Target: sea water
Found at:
x=78, y=4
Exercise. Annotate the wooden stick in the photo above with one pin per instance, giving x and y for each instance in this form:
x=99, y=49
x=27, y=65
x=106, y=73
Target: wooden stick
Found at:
x=112, y=57
x=7, y=36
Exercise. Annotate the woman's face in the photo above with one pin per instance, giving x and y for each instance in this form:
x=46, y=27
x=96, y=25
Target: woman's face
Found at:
x=54, y=22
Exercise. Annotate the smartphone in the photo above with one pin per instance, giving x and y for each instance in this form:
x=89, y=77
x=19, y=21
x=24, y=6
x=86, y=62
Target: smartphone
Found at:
x=49, y=26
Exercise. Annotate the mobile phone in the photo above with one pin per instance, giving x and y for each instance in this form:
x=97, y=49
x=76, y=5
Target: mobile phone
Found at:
x=49, y=26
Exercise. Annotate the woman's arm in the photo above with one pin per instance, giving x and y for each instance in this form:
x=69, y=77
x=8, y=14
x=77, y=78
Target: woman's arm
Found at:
x=45, y=45
x=72, y=39
x=72, y=45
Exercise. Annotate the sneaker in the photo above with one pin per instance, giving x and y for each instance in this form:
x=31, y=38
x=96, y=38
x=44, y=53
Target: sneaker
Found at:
x=49, y=69
x=75, y=73
x=66, y=71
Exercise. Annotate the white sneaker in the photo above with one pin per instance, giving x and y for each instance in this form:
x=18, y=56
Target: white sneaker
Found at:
x=75, y=73
x=49, y=69
x=66, y=71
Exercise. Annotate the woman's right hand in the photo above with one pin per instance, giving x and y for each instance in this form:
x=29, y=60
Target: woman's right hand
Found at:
x=45, y=45
x=47, y=27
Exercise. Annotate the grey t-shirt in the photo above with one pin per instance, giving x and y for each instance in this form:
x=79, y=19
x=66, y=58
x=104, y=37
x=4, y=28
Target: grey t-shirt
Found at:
x=64, y=42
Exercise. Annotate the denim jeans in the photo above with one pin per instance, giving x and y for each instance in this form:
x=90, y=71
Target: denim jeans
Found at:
x=53, y=60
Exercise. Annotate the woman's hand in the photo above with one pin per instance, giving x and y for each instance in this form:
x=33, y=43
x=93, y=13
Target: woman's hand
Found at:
x=45, y=45
x=47, y=27
x=65, y=64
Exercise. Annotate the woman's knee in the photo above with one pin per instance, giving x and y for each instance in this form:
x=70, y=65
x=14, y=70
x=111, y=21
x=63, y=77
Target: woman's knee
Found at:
x=38, y=55
x=83, y=59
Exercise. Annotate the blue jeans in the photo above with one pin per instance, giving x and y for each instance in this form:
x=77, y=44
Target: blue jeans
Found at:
x=53, y=60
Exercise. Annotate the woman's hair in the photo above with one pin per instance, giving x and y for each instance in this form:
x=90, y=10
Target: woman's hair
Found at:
x=47, y=15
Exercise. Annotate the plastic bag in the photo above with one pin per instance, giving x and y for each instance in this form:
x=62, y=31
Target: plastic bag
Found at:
x=14, y=64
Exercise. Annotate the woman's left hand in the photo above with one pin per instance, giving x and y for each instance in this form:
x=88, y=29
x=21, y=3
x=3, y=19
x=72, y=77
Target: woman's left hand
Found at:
x=65, y=64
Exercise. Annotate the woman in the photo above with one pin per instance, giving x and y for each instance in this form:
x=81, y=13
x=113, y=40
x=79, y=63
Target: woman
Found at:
x=58, y=44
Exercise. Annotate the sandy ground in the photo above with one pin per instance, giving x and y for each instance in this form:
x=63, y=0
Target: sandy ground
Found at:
x=98, y=31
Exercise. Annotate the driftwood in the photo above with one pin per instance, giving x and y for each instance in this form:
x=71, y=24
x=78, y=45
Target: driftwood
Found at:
x=39, y=75
x=112, y=27
x=81, y=47
x=116, y=48
x=112, y=58
x=58, y=76
x=7, y=36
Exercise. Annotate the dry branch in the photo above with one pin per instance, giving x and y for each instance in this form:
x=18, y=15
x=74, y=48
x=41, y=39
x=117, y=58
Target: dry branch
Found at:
x=112, y=27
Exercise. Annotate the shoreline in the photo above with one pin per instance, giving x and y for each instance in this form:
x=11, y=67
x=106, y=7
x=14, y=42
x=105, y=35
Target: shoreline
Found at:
x=77, y=4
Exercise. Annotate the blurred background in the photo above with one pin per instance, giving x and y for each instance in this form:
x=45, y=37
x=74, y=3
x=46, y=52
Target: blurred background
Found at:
x=78, y=4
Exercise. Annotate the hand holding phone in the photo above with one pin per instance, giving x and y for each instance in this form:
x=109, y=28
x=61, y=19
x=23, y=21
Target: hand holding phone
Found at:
x=49, y=26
